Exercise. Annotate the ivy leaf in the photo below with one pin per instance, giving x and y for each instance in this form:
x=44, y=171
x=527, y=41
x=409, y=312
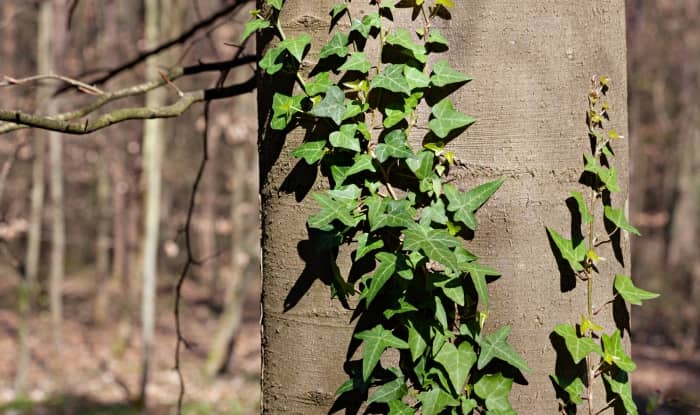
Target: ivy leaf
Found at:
x=444, y=74
x=582, y=208
x=434, y=213
x=578, y=347
x=376, y=341
x=496, y=346
x=446, y=119
x=440, y=314
x=620, y=385
x=392, y=79
x=464, y=204
x=336, y=46
x=394, y=145
x=386, y=268
x=391, y=391
x=478, y=274
x=399, y=213
x=435, y=400
x=283, y=109
x=452, y=287
x=296, y=46
x=573, y=388
x=320, y=84
x=311, y=151
x=457, y=361
x=416, y=79
x=334, y=207
x=468, y=405
x=494, y=390
x=400, y=408
x=614, y=354
x=572, y=254
x=435, y=243
x=416, y=343
x=617, y=217
x=345, y=138
x=632, y=294
x=364, y=246
x=401, y=38
x=253, y=26
x=444, y=3
x=364, y=27
x=331, y=106
x=435, y=38
x=356, y=62
x=363, y=162
x=270, y=61
x=421, y=164
x=606, y=175
x=402, y=307
x=338, y=9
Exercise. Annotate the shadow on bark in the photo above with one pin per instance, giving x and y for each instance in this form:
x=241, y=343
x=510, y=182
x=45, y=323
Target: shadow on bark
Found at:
x=567, y=276
x=566, y=371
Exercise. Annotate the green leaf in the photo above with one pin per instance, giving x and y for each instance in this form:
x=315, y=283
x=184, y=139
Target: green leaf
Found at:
x=574, y=388
x=364, y=27
x=338, y=9
x=617, y=217
x=296, y=46
x=270, y=61
x=468, y=405
x=400, y=408
x=276, y=4
x=478, y=274
x=457, y=361
x=586, y=217
x=331, y=106
x=399, y=214
x=402, y=307
x=632, y=294
x=320, y=84
x=464, y=204
x=446, y=119
x=416, y=342
x=452, y=287
x=253, y=26
x=606, y=175
x=578, y=347
x=392, y=79
x=440, y=314
x=435, y=400
x=437, y=244
x=364, y=246
x=394, y=145
x=354, y=108
x=283, y=109
x=444, y=3
x=311, y=151
x=614, y=353
x=494, y=390
x=435, y=38
x=416, y=79
x=335, y=207
x=620, y=385
x=421, y=164
x=573, y=255
x=356, y=62
x=444, y=74
x=401, y=38
x=374, y=283
x=433, y=213
x=391, y=391
x=496, y=345
x=345, y=138
x=336, y=46
x=376, y=341
x=362, y=162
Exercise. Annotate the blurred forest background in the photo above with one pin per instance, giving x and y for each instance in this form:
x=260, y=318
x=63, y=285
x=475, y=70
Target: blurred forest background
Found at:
x=74, y=253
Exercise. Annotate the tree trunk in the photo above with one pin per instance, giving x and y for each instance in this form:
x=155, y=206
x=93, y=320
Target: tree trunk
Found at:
x=532, y=62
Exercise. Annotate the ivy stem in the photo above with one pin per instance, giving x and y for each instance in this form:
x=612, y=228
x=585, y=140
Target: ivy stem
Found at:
x=600, y=308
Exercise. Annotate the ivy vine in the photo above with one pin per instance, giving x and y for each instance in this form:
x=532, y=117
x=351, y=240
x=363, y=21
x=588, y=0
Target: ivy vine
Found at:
x=422, y=294
x=595, y=353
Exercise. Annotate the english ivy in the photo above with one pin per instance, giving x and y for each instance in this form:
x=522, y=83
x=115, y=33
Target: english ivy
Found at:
x=602, y=354
x=427, y=296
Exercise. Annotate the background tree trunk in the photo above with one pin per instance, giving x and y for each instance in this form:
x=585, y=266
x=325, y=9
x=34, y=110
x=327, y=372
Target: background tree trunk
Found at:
x=532, y=63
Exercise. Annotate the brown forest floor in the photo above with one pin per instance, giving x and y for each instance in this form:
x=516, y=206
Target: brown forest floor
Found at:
x=99, y=376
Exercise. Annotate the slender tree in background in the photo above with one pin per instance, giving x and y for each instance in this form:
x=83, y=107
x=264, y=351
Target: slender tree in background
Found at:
x=527, y=97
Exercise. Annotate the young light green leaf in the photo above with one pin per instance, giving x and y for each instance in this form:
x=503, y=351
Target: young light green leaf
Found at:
x=632, y=294
x=336, y=46
x=364, y=27
x=586, y=216
x=457, y=361
x=614, y=353
x=444, y=74
x=618, y=218
x=271, y=62
x=253, y=26
x=374, y=283
x=393, y=390
x=356, y=62
x=620, y=385
x=283, y=109
x=394, y=145
x=468, y=405
x=338, y=9
x=435, y=400
x=392, y=79
x=331, y=106
x=496, y=346
x=578, y=347
x=401, y=38
x=296, y=46
x=376, y=341
x=446, y=119
x=311, y=151
x=494, y=390
x=345, y=138
x=606, y=175
x=572, y=254
x=276, y=4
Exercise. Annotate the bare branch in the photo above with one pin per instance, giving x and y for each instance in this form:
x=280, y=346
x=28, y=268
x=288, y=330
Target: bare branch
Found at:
x=108, y=97
x=89, y=89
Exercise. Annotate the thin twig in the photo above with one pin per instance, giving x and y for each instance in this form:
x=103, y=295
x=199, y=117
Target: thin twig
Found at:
x=600, y=308
x=5, y=171
x=81, y=86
